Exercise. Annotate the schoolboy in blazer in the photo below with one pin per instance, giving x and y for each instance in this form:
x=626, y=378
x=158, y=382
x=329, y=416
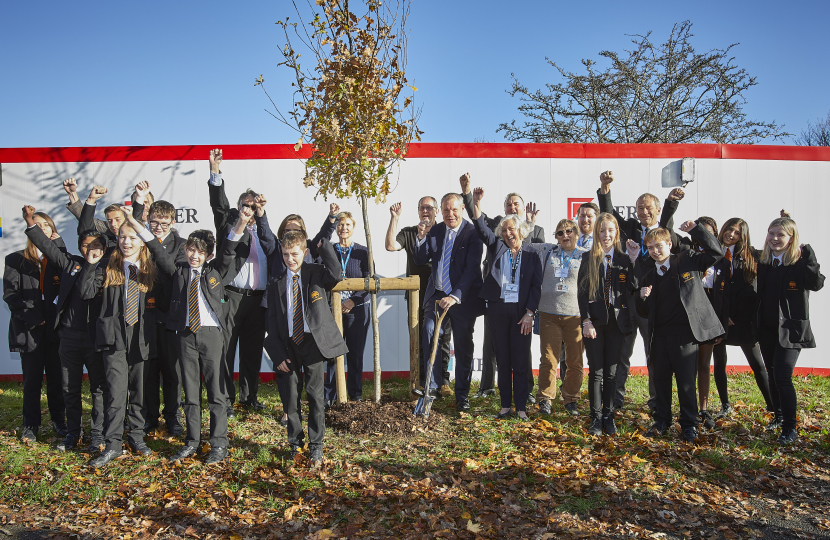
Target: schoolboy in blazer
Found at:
x=197, y=315
x=679, y=317
x=302, y=335
x=74, y=323
x=456, y=284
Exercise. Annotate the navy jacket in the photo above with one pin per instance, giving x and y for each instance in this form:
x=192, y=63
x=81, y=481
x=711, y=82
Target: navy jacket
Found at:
x=623, y=283
x=273, y=249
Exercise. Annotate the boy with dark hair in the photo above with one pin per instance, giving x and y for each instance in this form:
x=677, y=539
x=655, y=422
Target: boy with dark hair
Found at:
x=680, y=317
x=302, y=335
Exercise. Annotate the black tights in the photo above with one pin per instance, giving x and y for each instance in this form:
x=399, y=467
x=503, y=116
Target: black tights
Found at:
x=756, y=363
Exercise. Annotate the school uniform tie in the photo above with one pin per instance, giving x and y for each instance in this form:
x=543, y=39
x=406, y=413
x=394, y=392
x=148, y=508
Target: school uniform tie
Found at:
x=608, y=280
x=775, y=263
x=446, y=286
x=297, y=332
x=131, y=313
x=193, y=303
x=728, y=257
x=664, y=269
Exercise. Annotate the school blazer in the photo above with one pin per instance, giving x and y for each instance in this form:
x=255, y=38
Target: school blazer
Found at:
x=464, y=271
x=87, y=221
x=69, y=266
x=110, y=327
x=623, y=283
x=805, y=275
x=317, y=280
x=225, y=217
x=29, y=307
x=210, y=283
x=273, y=248
x=686, y=271
x=742, y=303
x=530, y=272
x=719, y=293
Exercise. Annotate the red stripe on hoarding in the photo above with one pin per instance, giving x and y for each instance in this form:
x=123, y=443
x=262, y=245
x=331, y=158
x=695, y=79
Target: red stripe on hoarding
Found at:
x=422, y=150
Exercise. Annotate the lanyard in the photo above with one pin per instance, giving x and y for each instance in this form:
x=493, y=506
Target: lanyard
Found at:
x=344, y=263
x=514, y=265
x=564, y=263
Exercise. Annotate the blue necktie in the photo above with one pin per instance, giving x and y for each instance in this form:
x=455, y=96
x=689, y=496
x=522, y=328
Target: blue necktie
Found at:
x=445, y=268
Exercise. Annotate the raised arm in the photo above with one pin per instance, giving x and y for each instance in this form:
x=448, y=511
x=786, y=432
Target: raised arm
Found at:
x=391, y=242
x=55, y=256
x=712, y=250
x=86, y=221
x=266, y=236
x=813, y=278
x=216, y=188
x=333, y=274
x=228, y=253
x=165, y=261
x=141, y=191
x=325, y=231
x=604, y=198
x=91, y=279
x=482, y=229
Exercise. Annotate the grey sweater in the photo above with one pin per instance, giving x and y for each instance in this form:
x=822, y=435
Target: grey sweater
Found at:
x=559, y=293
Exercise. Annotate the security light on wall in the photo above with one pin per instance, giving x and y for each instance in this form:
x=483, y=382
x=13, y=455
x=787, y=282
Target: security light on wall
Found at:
x=687, y=171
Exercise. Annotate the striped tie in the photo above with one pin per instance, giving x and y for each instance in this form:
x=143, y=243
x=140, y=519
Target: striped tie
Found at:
x=608, y=280
x=775, y=263
x=297, y=304
x=446, y=286
x=131, y=313
x=193, y=303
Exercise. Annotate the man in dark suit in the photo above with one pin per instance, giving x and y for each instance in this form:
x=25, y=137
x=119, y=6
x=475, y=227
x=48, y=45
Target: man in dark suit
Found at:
x=680, y=317
x=454, y=249
x=245, y=287
x=648, y=218
x=302, y=335
x=513, y=204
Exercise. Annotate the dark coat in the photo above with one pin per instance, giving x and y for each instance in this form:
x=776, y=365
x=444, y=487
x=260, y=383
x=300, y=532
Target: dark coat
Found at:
x=464, y=273
x=742, y=303
x=317, y=281
x=225, y=217
x=28, y=306
x=623, y=283
x=273, y=249
x=537, y=235
x=686, y=270
x=805, y=275
x=87, y=221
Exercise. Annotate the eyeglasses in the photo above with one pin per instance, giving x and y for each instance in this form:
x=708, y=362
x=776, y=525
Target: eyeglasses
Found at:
x=160, y=225
x=563, y=232
x=428, y=208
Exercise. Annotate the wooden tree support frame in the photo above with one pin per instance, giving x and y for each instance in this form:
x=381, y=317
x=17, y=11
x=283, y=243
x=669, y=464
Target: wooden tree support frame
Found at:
x=409, y=283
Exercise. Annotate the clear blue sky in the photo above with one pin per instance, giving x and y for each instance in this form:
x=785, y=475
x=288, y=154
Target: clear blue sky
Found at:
x=156, y=73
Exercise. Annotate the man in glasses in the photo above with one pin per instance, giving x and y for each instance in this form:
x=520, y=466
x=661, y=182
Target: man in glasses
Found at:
x=161, y=217
x=406, y=239
x=513, y=204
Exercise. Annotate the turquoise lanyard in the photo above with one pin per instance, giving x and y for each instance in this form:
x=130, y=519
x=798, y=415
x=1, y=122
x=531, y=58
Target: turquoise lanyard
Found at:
x=344, y=263
x=565, y=262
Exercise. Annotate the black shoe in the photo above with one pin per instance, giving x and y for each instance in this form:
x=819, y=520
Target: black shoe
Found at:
x=776, y=423
x=788, y=437
x=596, y=426
x=463, y=404
x=360, y=398
x=68, y=443
x=174, y=427
x=105, y=457
x=294, y=450
x=95, y=446
x=231, y=413
x=435, y=392
x=60, y=429
x=531, y=399
x=522, y=418
x=689, y=434
x=657, y=430
x=571, y=408
x=184, y=452
x=217, y=454
x=316, y=456
x=484, y=393
x=502, y=416
x=140, y=447
x=706, y=420
x=149, y=427
x=726, y=411
x=619, y=405
x=544, y=406
x=254, y=405
x=28, y=434
x=608, y=425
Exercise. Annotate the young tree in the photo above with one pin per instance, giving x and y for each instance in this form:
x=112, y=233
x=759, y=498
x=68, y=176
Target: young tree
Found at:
x=817, y=134
x=349, y=105
x=652, y=94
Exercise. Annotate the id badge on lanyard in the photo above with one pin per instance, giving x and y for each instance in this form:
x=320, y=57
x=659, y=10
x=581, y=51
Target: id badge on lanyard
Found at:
x=510, y=291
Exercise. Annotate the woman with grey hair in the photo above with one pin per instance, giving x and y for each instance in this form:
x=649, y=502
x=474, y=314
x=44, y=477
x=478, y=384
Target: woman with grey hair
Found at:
x=512, y=283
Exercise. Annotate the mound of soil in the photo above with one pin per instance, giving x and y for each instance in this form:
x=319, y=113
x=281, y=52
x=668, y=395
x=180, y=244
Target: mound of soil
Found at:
x=387, y=417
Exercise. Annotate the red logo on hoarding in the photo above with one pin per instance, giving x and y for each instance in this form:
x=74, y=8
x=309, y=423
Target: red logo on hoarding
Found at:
x=574, y=204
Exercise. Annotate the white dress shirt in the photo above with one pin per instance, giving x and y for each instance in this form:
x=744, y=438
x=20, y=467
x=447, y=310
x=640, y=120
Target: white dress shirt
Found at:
x=127, y=283
x=289, y=301
x=206, y=315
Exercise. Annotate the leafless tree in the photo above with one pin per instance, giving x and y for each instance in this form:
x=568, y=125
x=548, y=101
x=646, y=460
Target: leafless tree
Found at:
x=817, y=134
x=664, y=93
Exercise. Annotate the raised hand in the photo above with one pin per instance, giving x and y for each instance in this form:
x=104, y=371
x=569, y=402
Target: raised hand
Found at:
x=676, y=194
x=423, y=229
x=395, y=210
x=128, y=215
x=93, y=255
x=141, y=191
x=96, y=193
x=28, y=215
x=246, y=213
x=645, y=292
x=334, y=209
x=785, y=214
x=259, y=204
x=70, y=186
x=687, y=226
x=215, y=160
x=478, y=194
x=465, y=183
x=531, y=212
x=633, y=249
x=606, y=178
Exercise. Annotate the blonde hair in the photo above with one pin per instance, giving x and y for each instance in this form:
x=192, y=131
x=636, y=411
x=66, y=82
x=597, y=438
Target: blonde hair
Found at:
x=591, y=280
x=30, y=252
x=346, y=214
x=793, y=252
x=146, y=271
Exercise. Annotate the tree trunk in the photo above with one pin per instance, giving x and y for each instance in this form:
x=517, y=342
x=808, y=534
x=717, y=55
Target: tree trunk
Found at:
x=374, y=296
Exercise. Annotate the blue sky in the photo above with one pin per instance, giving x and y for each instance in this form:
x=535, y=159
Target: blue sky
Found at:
x=157, y=73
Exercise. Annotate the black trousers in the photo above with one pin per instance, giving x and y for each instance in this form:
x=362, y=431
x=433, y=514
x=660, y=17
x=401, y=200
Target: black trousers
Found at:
x=603, y=357
x=488, y=361
x=163, y=373
x=756, y=363
x=44, y=359
x=355, y=330
x=511, y=348
x=675, y=355
x=76, y=351
x=200, y=354
x=245, y=326
x=780, y=364
x=124, y=372
x=624, y=365
x=307, y=365
x=443, y=346
x=462, y=328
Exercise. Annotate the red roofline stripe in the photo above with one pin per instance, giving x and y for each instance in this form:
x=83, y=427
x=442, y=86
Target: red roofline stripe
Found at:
x=422, y=150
